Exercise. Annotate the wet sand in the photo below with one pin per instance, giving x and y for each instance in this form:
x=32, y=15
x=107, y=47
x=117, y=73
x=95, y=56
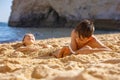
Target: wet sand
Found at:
x=40, y=66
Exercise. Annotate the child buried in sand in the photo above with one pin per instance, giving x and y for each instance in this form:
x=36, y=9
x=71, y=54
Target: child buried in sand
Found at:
x=28, y=42
x=82, y=41
x=28, y=46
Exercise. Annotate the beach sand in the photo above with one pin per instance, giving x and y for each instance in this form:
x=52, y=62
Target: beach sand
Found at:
x=41, y=66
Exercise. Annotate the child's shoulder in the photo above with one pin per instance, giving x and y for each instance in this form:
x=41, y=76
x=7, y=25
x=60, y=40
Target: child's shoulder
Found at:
x=93, y=38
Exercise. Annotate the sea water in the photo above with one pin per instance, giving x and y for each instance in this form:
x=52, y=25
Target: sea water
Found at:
x=12, y=34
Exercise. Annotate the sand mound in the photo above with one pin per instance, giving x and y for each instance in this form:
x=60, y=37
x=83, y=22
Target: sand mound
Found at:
x=41, y=66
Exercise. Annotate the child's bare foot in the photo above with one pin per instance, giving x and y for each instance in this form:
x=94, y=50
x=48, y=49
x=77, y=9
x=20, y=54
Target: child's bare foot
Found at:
x=56, y=54
x=62, y=52
x=66, y=51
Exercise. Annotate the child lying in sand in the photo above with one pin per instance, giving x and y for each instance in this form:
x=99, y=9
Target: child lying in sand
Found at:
x=28, y=44
x=82, y=41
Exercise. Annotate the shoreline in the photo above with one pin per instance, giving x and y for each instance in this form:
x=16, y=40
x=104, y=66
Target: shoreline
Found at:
x=58, y=34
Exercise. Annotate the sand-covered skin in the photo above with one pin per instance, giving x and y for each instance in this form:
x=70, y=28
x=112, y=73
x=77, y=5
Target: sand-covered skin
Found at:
x=41, y=66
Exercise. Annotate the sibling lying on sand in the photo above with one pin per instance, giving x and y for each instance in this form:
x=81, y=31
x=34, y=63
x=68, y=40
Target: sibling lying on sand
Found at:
x=82, y=41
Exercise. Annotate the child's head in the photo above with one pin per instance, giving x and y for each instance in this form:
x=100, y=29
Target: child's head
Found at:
x=28, y=39
x=85, y=29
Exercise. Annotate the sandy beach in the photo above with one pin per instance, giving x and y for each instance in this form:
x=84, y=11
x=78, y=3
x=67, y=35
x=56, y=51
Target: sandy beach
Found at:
x=41, y=66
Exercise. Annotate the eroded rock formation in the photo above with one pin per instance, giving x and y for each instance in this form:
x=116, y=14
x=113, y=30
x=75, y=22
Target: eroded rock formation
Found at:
x=62, y=13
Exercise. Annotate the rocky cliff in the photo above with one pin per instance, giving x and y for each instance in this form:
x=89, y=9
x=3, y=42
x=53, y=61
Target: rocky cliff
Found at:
x=61, y=13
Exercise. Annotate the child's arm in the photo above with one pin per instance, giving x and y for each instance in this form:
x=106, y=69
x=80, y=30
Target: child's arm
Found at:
x=73, y=45
x=97, y=44
x=93, y=46
x=87, y=50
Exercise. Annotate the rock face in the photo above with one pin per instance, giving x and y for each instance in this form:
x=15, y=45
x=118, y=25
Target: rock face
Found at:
x=62, y=13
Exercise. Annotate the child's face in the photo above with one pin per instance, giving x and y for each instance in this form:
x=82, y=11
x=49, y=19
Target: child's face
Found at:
x=29, y=39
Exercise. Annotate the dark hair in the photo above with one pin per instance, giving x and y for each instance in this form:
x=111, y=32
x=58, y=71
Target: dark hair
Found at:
x=85, y=28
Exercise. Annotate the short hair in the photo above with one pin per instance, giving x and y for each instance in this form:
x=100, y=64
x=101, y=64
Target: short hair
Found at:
x=85, y=28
